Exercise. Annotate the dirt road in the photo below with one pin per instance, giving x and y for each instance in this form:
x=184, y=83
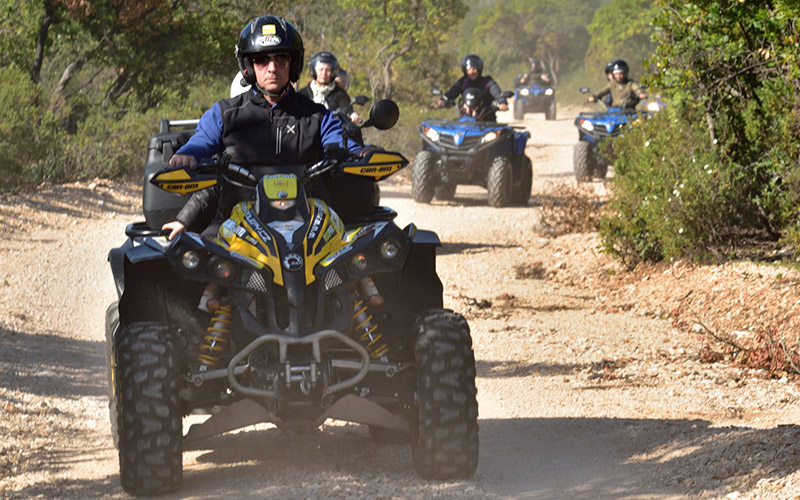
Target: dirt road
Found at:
x=580, y=398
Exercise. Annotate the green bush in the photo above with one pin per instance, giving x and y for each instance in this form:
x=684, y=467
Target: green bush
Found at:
x=672, y=197
x=30, y=135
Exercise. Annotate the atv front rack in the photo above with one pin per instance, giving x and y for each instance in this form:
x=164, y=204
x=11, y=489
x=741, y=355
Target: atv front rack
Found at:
x=295, y=373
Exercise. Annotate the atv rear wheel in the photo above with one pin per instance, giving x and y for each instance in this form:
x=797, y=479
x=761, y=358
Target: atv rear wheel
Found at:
x=423, y=177
x=500, y=182
x=519, y=110
x=445, y=191
x=444, y=429
x=550, y=114
x=583, y=161
x=148, y=403
x=522, y=191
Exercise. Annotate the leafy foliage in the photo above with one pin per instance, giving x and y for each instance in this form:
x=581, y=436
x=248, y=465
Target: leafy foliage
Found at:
x=730, y=71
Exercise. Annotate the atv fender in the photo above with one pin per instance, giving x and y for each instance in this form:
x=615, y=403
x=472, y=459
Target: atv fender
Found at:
x=133, y=254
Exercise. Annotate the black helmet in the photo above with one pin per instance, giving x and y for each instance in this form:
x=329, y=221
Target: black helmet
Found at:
x=609, y=67
x=268, y=34
x=475, y=99
x=536, y=64
x=620, y=66
x=472, y=61
x=324, y=57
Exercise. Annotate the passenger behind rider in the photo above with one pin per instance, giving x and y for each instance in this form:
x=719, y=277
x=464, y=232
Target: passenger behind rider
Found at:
x=270, y=124
x=475, y=104
x=342, y=79
x=625, y=93
x=535, y=75
x=472, y=68
x=324, y=69
x=610, y=77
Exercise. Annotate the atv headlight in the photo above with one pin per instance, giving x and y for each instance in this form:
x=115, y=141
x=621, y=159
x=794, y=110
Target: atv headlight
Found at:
x=653, y=106
x=390, y=249
x=191, y=260
x=587, y=125
x=548, y=92
x=489, y=137
x=524, y=92
x=282, y=204
x=359, y=262
x=432, y=134
x=222, y=269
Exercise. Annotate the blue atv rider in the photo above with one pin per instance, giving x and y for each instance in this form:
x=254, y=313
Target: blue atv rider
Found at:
x=472, y=68
x=474, y=151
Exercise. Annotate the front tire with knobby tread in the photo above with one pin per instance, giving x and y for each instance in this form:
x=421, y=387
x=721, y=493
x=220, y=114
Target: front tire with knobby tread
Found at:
x=150, y=419
x=519, y=110
x=523, y=189
x=583, y=161
x=500, y=182
x=444, y=441
x=423, y=177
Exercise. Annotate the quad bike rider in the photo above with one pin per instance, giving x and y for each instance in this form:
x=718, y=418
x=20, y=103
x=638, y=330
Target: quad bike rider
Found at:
x=534, y=93
x=594, y=127
x=288, y=314
x=472, y=70
x=472, y=150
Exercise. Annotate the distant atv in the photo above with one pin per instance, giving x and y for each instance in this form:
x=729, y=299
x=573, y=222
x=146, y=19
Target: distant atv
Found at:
x=595, y=127
x=289, y=315
x=534, y=98
x=466, y=151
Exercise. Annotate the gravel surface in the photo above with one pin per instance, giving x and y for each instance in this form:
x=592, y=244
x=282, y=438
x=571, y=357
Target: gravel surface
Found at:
x=590, y=380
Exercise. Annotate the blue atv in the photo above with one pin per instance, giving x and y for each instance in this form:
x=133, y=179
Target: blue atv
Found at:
x=534, y=98
x=595, y=127
x=471, y=151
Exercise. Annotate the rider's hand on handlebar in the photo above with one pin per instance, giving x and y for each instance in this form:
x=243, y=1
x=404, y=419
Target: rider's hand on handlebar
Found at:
x=174, y=227
x=355, y=118
x=591, y=98
x=439, y=104
x=180, y=160
x=369, y=149
x=502, y=107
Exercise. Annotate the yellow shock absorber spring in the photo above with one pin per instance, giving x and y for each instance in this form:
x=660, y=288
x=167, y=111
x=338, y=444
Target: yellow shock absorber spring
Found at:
x=369, y=337
x=216, y=337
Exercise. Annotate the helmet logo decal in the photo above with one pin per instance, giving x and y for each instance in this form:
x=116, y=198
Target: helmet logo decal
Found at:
x=268, y=29
x=293, y=262
x=268, y=40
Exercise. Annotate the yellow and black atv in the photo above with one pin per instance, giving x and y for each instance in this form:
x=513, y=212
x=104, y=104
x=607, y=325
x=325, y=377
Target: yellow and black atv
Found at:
x=291, y=316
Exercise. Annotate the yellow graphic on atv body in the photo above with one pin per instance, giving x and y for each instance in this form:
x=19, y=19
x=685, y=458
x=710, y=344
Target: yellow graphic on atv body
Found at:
x=182, y=181
x=378, y=165
x=245, y=234
x=279, y=186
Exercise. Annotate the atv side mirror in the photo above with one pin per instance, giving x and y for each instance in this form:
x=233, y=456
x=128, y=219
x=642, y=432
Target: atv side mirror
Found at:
x=359, y=99
x=383, y=115
x=584, y=90
x=436, y=91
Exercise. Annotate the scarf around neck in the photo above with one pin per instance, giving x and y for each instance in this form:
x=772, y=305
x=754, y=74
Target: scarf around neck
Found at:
x=320, y=92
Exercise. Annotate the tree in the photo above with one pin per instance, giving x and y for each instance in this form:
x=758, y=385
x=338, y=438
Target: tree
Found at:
x=554, y=32
x=622, y=30
x=394, y=32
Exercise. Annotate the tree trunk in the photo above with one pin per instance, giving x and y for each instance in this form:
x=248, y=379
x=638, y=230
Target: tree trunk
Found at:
x=44, y=27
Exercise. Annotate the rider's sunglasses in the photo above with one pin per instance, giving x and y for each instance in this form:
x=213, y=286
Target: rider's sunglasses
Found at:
x=280, y=60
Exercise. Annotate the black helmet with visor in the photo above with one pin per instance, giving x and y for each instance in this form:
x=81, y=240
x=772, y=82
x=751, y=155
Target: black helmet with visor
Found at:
x=269, y=35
